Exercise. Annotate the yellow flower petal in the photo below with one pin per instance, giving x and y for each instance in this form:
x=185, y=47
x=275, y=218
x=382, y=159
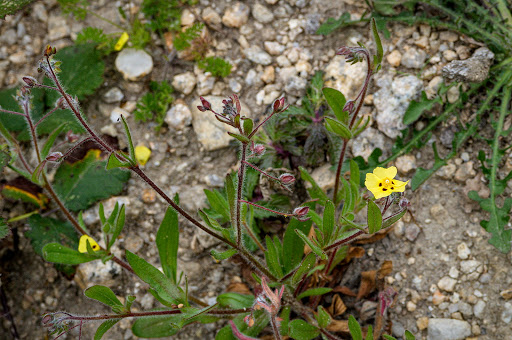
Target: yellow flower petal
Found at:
x=383, y=173
x=122, y=40
x=142, y=154
x=82, y=244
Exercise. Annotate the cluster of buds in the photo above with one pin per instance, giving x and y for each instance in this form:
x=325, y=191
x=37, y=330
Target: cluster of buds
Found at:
x=47, y=63
x=57, y=323
x=353, y=54
x=231, y=110
x=268, y=300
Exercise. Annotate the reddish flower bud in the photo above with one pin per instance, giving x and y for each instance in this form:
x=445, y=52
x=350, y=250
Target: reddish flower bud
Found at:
x=201, y=108
x=206, y=105
x=404, y=203
x=71, y=137
x=48, y=51
x=54, y=157
x=286, y=179
x=257, y=149
x=30, y=81
x=300, y=211
x=61, y=103
x=349, y=106
x=279, y=105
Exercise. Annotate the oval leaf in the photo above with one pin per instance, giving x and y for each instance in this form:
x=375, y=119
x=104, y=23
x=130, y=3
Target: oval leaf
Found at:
x=338, y=128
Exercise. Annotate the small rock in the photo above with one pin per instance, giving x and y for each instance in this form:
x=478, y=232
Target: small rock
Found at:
x=448, y=36
x=447, y=171
x=235, y=86
x=39, y=12
x=252, y=78
x=148, y=196
x=312, y=22
x=391, y=102
x=57, y=28
x=463, y=52
x=463, y=251
x=394, y=58
x=133, y=242
x=414, y=58
x=211, y=133
x=115, y=115
x=479, y=309
x=454, y=273
x=205, y=83
x=422, y=323
x=268, y=75
x=9, y=37
x=449, y=55
x=366, y=142
x=474, y=69
x=114, y=95
x=465, y=309
x=405, y=163
x=262, y=14
x=95, y=272
x=189, y=195
x=324, y=177
x=179, y=115
x=397, y=329
x=412, y=231
x=296, y=86
x=18, y=58
x=464, y=172
x=506, y=315
x=147, y=301
x=257, y=55
x=213, y=180
x=411, y=306
x=438, y=297
x=344, y=77
x=433, y=86
x=448, y=329
x=453, y=94
x=470, y=266
x=506, y=294
x=273, y=47
x=447, y=284
x=236, y=16
x=422, y=42
x=184, y=82
x=187, y=18
x=211, y=17
x=134, y=64
x=271, y=2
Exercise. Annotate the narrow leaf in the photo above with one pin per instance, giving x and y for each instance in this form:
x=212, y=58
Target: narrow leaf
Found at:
x=322, y=317
x=220, y=256
x=315, y=248
x=57, y=253
x=380, y=52
x=305, y=267
x=374, y=217
x=314, y=292
x=104, y=327
x=301, y=330
x=338, y=128
x=167, y=239
x=104, y=295
x=51, y=140
x=354, y=328
x=293, y=246
x=328, y=221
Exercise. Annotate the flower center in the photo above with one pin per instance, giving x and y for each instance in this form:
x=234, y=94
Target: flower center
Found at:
x=387, y=184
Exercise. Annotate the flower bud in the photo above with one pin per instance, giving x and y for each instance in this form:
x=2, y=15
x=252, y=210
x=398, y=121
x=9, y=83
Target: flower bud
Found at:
x=301, y=211
x=279, y=105
x=249, y=320
x=30, y=81
x=48, y=51
x=54, y=157
x=206, y=105
x=404, y=203
x=257, y=149
x=349, y=106
x=286, y=179
x=61, y=103
x=71, y=137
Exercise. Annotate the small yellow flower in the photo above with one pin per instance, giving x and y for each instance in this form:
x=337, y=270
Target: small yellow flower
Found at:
x=382, y=184
x=142, y=154
x=122, y=40
x=82, y=244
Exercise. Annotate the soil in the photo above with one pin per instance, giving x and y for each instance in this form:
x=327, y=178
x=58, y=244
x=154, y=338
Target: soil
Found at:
x=424, y=248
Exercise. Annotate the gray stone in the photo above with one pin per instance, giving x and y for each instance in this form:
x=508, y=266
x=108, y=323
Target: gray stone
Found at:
x=9, y=37
x=470, y=266
x=213, y=180
x=412, y=231
x=312, y=22
x=262, y=14
x=392, y=100
x=479, y=309
x=473, y=70
x=191, y=197
x=235, y=86
x=205, y=83
x=95, y=272
x=296, y=86
x=133, y=242
x=257, y=55
x=57, y=28
x=465, y=172
x=211, y=17
x=506, y=315
x=133, y=64
x=346, y=78
x=184, y=82
x=448, y=329
x=114, y=95
x=273, y=47
x=414, y=58
x=236, y=16
x=179, y=115
x=39, y=12
x=115, y=115
x=463, y=251
x=447, y=284
x=211, y=133
x=397, y=329
x=406, y=163
x=324, y=177
x=364, y=144
x=466, y=309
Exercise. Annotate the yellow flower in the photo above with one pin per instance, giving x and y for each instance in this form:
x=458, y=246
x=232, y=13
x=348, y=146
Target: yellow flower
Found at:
x=82, y=244
x=122, y=40
x=142, y=154
x=382, y=184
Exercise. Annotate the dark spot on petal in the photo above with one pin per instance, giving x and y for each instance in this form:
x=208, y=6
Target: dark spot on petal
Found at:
x=384, y=189
x=392, y=182
x=380, y=184
x=392, y=188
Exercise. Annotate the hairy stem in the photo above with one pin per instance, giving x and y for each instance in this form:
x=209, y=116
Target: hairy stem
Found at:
x=241, y=174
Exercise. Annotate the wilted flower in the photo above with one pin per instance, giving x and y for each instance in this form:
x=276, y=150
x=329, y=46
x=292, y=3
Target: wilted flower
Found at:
x=54, y=157
x=300, y=213
x=286, y=179
x=30, y=81
x=386, y=299
x=142, y=154
x=382, y=183
x=206, y=105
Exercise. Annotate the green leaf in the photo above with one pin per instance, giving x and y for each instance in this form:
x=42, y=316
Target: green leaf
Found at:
x=409, y=336
x=231, y=193
x=241, y=138
x=314, y=292
x=336, y=101
x=118, y=226
x=389, y=221
x=328, y=221
x=51, y=140
x=218, y=67
x=416, y=108
x=235, y=300
x=114, y=162
x=374, y=217
x=272, y=257
x=248, y=125
x=224, y=255
x=332, y=24
x=354, y=328
x=389, y=337
x=354, y=172
x=338, y=128
x=104, y=295
x=315, y=192
x=157, y=326
x=377, y=59
x=314, y=247
x=369, y=333
x=293, y=246
x=44, y=230
x=4, y=229
x=104, y=327
x=84, y=182
x=218, y=203
x=167, y=240
x=301, y=330
x=57, y=253
x=12, y=6
x=305, y=267
x=129, y=139
x=162, y=285
x=322, y=317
